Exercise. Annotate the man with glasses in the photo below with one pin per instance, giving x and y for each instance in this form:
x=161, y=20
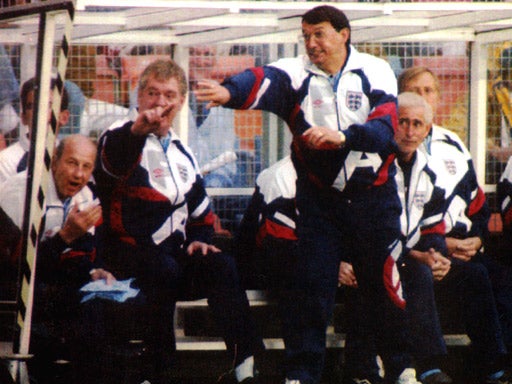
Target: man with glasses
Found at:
x=340, y=105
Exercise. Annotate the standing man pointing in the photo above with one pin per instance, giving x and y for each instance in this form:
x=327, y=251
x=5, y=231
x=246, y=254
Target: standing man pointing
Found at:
x=340, y=105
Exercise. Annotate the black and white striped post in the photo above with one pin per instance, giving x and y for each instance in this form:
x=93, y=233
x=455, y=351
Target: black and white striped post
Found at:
x=42, y=143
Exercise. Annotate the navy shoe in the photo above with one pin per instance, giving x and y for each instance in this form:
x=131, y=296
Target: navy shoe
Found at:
x=230, y=378
x=356, y=380
x=250, y=380
x=437, y=378
x=505, y=378
x=363, y=381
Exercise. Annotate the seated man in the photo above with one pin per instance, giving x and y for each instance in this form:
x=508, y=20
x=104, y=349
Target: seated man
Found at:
x=504, y=191
x=159, y=225
x=66, y=260
x=502, y=272
x=422, y=261
x=464, y=282
x=14, y=158
x=266, y=243
x=467, y=212
x=9, y=250
x=466, y=230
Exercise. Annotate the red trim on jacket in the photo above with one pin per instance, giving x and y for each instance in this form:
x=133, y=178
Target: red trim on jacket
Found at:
x=271, y=228
x=439, y=228
x=477, y=203
x=260, y=75
x=386, y=109
x=383, y=175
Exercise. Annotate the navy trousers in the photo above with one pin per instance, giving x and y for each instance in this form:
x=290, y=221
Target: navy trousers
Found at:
x=467, y=286
x=332, y=228
x=463, y=298
x=427, y=343
x=165, y=279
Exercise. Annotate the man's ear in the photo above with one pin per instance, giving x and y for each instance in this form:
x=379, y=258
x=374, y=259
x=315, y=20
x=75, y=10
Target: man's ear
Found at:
x=345, y=34
x=54, y=158
x=24, y=119
x=428, y=131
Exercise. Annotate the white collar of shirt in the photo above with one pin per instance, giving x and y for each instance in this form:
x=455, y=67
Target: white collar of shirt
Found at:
x=54, y=209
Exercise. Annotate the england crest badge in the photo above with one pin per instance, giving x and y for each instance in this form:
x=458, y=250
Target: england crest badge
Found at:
x=451, y=167
x=182, y=169
x=419, y=199
x=354, y=100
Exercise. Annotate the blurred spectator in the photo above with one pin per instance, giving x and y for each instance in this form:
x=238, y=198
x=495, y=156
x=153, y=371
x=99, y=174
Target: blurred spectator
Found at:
x=211, y=132
x=88, y=114
x=14, y=159
x=98, y=115
x=9, y=89
x=76, y=105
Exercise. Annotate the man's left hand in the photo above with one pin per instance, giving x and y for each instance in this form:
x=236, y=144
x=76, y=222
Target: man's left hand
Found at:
x=100, y=273
x=323, y=138
x=79, y=222
x=463, y=249
x=200, y=247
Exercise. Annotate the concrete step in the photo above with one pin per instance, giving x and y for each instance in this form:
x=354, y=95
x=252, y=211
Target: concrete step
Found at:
x=196, y=329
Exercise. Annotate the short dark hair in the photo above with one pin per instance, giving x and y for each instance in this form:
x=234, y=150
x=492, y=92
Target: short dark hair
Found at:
x=30, y=85
x=333, y=15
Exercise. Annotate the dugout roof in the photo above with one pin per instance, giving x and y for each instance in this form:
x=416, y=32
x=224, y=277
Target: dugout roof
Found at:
x=203, y=22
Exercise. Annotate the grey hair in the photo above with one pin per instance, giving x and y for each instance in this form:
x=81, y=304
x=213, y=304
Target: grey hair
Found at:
x=413, y=100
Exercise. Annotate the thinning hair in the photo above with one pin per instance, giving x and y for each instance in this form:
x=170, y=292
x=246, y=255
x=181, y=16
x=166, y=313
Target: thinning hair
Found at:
x=413, y=100
x=77, y=137
x=163, y=70
x=411, y=73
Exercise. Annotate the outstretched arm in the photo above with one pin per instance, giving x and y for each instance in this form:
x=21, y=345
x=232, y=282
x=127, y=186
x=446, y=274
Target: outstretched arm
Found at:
x=213, y=92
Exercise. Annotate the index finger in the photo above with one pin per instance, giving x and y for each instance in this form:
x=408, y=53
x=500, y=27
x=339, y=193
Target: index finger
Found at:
x=309, y=131
x=167, y=110
x=464, y=245
x=73, y=208
x=91, y=209
x=206, y=84
x=214, y=249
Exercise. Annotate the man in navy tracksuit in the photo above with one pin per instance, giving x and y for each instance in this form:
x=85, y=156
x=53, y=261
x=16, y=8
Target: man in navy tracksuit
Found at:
x=267, y=246
x=504, y=189
x=160, y=224
x=340, y=105
x=62, y=327
x=423, y=262
x=266, y=242
x=424, y=258
x=468, y=285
